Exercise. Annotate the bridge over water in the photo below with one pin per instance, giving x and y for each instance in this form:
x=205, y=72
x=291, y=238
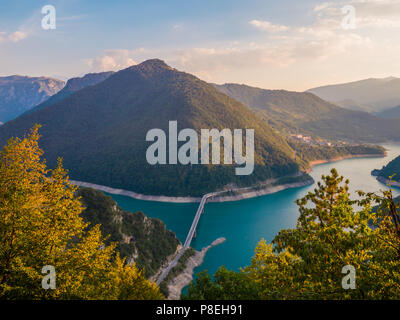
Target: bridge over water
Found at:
x=189, y=237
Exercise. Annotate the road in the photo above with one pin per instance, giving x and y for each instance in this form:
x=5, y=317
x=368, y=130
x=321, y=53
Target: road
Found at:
x=189, y=237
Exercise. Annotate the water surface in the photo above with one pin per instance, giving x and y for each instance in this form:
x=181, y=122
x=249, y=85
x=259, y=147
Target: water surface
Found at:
x=243, y=223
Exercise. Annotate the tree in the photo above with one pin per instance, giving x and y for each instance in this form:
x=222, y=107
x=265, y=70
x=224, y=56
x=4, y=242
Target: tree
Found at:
x=333, y=231
x=40, y=225
x=227, y=284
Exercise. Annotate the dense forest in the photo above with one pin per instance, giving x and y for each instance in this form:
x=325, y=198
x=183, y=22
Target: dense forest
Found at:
x=141, y=239
x=307, y=153
x=304, y=112
x=100, y=132
x=46, y=244
x=391, y=171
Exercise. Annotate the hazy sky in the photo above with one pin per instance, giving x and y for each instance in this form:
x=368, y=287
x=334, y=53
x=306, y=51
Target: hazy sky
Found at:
x=285, y=44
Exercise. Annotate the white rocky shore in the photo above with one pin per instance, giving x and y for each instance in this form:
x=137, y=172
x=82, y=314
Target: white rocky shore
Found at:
x=245, y=195
x=183, y=279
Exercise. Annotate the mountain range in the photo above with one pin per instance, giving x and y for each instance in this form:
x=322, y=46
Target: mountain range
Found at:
x=20, y=93
x=73, y=85
x=304, y=112
x=371, y=95
x=98, y=124
x=100, y=132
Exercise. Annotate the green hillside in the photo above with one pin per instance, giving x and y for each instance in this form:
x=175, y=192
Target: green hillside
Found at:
x=73, y=85
x=307, y=153
x=391, y=169
x=140, y=238
x=303, y=112
x=100, y=132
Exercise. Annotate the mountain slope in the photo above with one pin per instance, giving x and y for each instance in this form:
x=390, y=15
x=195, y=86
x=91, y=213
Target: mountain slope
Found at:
x=100, y=132
x=392, y=169
x=73, y=85
x=392, y=113
x=304, y=112
x=18, y=94
x=374, y=94
x=141, y=239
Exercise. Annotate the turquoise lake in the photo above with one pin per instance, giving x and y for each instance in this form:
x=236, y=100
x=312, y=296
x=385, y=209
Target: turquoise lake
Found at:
x=243, y=223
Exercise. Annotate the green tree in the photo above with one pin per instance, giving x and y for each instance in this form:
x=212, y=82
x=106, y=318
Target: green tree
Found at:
x=226, y=285
x=40, y=224
x=332, y=231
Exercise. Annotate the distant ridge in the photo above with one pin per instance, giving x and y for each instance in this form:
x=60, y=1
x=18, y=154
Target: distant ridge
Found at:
x=20, y=93
x=73, y=85
x=372, y=95
x=392, y=113
x=304, y=112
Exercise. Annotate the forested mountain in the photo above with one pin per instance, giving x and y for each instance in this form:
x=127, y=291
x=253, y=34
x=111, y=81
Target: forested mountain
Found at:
x=19, y=93
x=100, y=131
x=141, y=239
x=304, y=112
x=373, y=95
x=392, y=113
x=73, y=85
x=392, y=169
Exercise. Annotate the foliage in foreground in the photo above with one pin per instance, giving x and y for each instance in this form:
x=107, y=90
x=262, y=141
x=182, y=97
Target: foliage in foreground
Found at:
x=145, y=240
x=40, y=224
x=306, y=262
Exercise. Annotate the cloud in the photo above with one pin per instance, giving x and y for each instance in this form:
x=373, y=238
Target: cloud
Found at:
x=319, y=50
x=268, y=26
x=369, y=13
x=177, y=26
x=112, y=60
x=12, y=37
x=223, y=59
x=17, y=36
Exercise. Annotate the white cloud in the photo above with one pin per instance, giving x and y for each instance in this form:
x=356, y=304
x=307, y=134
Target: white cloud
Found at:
x=12, y=37
x=112, y=60
x=291, y=57
x=17, y=36
x=369, y=13
x=268, y=26
x=177, y=26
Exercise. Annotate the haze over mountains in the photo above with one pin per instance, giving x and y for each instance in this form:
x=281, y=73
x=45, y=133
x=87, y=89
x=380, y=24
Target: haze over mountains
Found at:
x=371, y=95
x=392, y=113
x=304, y=112
x=100, y=132
x=20, y=93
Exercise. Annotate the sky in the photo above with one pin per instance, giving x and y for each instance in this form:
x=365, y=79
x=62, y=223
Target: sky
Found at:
x=285, y=44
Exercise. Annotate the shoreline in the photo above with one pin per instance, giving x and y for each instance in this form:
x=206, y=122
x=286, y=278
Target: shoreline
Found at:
x=345, y=157
x=243, y=196
x=247, y=195
x=176, y=285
